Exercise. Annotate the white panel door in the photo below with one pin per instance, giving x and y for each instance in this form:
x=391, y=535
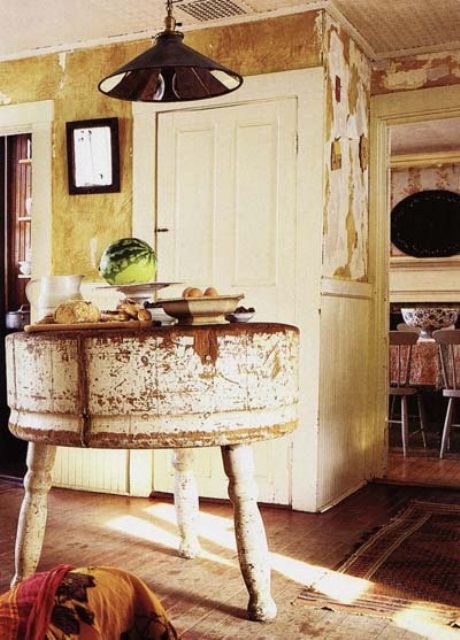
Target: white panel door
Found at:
x=226, y=195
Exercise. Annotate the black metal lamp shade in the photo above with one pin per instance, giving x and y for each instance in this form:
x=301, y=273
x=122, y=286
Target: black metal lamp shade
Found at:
x=170, y=72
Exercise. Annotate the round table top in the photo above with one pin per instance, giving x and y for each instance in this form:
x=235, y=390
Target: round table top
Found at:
x=156, y=387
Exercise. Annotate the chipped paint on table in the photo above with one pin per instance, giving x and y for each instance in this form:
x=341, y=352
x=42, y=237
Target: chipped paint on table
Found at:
x=168, y=387
x=163, y=388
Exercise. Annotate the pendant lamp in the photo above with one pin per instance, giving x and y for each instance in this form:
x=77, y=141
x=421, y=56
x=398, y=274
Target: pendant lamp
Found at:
x=170, y=71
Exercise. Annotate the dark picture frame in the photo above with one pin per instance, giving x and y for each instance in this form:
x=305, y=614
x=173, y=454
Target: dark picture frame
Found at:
x=93, y=156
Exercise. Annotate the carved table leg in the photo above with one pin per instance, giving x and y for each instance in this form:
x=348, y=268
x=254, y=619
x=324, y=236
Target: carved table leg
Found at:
x=186, y=503
x=249, y=530
x=32, y=516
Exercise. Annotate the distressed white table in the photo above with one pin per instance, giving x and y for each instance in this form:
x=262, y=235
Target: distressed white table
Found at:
x=174, y=387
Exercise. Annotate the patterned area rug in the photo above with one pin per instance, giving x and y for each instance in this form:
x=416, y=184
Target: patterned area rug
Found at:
x=411, y=563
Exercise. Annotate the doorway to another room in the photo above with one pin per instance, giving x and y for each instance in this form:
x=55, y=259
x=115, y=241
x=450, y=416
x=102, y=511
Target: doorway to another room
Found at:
x=422, y=129
x=16, y=217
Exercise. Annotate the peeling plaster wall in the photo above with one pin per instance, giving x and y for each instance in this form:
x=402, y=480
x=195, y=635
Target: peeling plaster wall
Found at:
x=348, y=75
x=82, y=222
x=418, y=72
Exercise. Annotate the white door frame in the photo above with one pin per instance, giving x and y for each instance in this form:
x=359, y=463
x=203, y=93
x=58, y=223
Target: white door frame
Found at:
x=36, y=118
x=307, y=86
x=387, y=110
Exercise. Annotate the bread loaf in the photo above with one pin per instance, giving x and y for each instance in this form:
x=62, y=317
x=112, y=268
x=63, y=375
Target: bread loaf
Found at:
x=76, y=311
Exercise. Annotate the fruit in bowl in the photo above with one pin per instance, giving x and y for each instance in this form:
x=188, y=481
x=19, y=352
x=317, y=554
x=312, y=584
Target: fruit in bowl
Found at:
x=241, y=314
x=196, y=292
x=201, y=309
x=430, y=319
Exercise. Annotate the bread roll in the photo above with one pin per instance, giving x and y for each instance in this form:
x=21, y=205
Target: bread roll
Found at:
x=211, y=292
x=115, y=316
x=144, y=315
x=130, y=307
x=194, y=292
x=76, y=311
x=48, y=319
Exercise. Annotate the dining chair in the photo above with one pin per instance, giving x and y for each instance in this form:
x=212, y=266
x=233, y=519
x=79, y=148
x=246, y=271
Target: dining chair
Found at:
x=449, y=354
x=401, y=343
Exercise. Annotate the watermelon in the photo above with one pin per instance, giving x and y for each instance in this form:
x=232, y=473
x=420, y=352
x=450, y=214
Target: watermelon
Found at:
x=128, y=261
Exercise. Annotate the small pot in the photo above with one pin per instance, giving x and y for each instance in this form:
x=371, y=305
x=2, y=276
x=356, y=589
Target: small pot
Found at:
x=16, y=320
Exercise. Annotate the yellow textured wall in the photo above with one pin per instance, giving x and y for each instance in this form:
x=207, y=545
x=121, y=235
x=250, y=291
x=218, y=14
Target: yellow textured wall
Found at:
x=70, y=79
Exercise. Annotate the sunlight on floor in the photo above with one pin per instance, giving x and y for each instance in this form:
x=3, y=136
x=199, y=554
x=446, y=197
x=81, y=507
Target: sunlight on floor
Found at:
x=342, y=588
x=138, y=528
x=417, y=620
x=217, y=530
x=212, y=528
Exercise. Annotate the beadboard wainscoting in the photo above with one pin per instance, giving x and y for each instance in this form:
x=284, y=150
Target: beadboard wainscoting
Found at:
x=344, y=398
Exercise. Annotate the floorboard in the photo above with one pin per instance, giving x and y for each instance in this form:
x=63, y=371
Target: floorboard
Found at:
x=206, y=597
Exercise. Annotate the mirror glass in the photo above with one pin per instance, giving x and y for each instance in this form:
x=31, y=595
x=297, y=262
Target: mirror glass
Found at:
x=93, y=161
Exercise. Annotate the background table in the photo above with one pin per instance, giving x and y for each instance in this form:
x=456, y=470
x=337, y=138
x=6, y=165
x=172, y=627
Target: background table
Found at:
x=176, y=387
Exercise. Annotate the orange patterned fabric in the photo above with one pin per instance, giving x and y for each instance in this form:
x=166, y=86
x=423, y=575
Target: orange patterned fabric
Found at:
x=95, y=603
x=426, y=366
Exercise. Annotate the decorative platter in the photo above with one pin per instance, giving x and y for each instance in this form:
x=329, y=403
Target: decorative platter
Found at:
x=427, y=224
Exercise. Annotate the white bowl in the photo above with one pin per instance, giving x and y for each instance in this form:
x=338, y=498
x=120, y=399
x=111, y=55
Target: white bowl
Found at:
x=240, y=317
x=430, y=319
x=202, y=310
x=158, y=315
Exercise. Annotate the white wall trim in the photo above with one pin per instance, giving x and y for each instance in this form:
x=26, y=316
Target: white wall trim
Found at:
x=36, y=118
x=18, y=118
x=428, y=159
x=421, y=264
x=448, y=295
x=346, y=288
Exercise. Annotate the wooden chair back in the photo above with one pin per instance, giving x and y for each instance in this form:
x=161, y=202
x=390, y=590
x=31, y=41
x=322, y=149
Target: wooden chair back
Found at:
x=401, y=343
x=449, y=354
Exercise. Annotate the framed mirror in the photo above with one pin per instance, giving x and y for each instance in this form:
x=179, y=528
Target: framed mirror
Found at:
x=93, y=156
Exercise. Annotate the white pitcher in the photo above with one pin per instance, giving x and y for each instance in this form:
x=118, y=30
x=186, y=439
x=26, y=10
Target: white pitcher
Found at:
x=46, y=293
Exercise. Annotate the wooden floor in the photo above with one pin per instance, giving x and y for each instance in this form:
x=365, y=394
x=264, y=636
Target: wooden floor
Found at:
x=206, y=597
x=422, y=466
x=423, y=469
